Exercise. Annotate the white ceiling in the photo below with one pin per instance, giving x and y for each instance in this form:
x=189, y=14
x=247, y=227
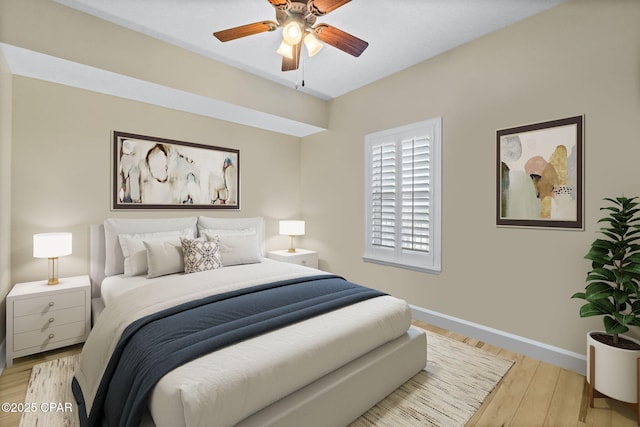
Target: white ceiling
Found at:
x=400, y=33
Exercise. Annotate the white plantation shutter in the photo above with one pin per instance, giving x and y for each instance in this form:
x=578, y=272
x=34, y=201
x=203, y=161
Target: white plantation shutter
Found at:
x=402, y=224
x=383, y=195
x=415, y=194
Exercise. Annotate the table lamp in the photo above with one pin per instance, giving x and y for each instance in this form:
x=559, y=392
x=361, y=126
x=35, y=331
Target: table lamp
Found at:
x=52, y=246
x=292, y=228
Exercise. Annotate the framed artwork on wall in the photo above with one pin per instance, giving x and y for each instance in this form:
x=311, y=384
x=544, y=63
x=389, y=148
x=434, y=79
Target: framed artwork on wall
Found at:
x=159, y=173
x=539, y=175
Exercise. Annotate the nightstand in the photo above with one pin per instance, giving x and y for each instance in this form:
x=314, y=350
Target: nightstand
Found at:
x=300, y=256
x=42, y=317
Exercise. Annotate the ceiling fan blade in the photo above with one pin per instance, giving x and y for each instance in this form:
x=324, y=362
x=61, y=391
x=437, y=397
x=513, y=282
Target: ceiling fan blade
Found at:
x=292, y=64
x=341, y=40
x=322, y=7
x=280, y=4
x=245, y=30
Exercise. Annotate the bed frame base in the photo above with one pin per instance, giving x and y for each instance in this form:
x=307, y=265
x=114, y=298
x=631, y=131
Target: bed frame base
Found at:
x=342, y=396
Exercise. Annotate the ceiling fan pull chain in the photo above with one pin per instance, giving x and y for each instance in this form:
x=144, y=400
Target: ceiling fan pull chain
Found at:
x=298, y=71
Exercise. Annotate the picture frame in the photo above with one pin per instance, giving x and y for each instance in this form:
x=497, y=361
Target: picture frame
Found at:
x=539, y=175
x=160, y=173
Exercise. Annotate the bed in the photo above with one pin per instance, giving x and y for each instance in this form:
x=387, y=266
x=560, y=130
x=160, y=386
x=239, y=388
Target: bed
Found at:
x=325, y=368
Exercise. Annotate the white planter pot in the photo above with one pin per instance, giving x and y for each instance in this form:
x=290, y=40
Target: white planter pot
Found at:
x=616, y=370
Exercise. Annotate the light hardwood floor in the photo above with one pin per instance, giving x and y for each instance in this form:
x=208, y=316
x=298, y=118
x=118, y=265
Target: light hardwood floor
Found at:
x=532, y=393
x=14, y=380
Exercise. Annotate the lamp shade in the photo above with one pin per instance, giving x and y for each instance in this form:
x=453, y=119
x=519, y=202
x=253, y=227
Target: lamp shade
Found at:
x=292, y=228
x=51, y=245
x=285, y=50
x=292, y=33
x=312, y=44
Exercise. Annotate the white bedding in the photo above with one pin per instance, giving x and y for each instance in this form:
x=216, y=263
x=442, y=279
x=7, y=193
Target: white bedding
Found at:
x=114, y=286
x=225, y=387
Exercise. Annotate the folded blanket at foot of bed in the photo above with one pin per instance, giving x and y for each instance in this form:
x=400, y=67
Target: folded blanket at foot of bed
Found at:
x=154, y=345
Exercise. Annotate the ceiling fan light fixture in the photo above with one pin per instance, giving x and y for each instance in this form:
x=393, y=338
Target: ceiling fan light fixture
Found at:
x=297, y=19
x=285, y=50
x=312, y=43
x=292, y=32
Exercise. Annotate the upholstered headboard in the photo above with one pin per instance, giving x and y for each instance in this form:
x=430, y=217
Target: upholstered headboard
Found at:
x=96, y=258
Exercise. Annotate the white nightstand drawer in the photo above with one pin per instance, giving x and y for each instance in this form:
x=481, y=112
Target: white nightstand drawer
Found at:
x=51, y=335
x=42, y=322
x=309, y=260
x=300, y=257
x=47, y=303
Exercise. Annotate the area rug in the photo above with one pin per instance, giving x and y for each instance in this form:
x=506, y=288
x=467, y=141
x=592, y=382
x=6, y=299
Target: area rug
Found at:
x=457, y=379
x=448, y=392
x=49, y=398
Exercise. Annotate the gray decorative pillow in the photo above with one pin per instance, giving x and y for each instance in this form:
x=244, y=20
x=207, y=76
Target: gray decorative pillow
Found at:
x=200, y=255
x=236, y=246
x=164, y=258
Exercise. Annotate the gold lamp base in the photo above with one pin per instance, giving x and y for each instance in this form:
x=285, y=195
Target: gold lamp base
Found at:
x=291, y=248
x=53, y=271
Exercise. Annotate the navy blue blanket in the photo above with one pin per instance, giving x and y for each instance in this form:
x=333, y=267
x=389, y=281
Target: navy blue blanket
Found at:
x=154, y=345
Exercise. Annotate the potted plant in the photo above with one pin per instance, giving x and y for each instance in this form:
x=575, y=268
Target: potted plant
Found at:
x=612, y=292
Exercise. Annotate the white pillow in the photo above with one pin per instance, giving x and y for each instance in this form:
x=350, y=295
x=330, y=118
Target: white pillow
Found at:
x=135, y=253
x=236, y=246
x=164, y=258
x=113, y=227
x=211, y=223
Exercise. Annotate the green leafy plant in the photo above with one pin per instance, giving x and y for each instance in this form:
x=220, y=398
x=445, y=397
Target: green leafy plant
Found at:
x=613, y=282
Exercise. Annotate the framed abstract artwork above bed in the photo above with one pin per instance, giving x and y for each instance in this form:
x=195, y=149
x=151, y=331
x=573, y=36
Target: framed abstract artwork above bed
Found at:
x=540, y=175
x=160, y=173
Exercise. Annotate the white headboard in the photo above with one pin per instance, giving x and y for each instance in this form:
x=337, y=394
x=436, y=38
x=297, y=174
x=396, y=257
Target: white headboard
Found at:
x=96, y=258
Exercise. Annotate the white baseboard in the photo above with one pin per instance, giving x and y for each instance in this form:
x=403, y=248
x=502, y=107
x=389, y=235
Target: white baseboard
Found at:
x=535, y=349
x=3, y=354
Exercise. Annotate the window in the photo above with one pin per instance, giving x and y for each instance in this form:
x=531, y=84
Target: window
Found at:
x=402, y=196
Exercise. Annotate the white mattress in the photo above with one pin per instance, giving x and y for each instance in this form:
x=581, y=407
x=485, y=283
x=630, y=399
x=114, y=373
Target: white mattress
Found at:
x=226, y=386
x=114, y=286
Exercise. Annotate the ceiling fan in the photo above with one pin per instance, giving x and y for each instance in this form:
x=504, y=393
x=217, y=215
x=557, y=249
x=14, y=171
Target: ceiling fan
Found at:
x=297, y=19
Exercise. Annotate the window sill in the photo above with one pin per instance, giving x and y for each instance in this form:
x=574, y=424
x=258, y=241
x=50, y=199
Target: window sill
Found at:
x=420, y=268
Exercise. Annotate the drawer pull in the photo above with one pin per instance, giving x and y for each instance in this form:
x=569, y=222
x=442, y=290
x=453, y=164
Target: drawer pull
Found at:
x=51, y=304
x=51, y=336
x=51, y=320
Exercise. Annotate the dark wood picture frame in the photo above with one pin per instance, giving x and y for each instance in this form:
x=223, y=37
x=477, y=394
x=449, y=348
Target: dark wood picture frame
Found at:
x=159, y=173
x=539, y=175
